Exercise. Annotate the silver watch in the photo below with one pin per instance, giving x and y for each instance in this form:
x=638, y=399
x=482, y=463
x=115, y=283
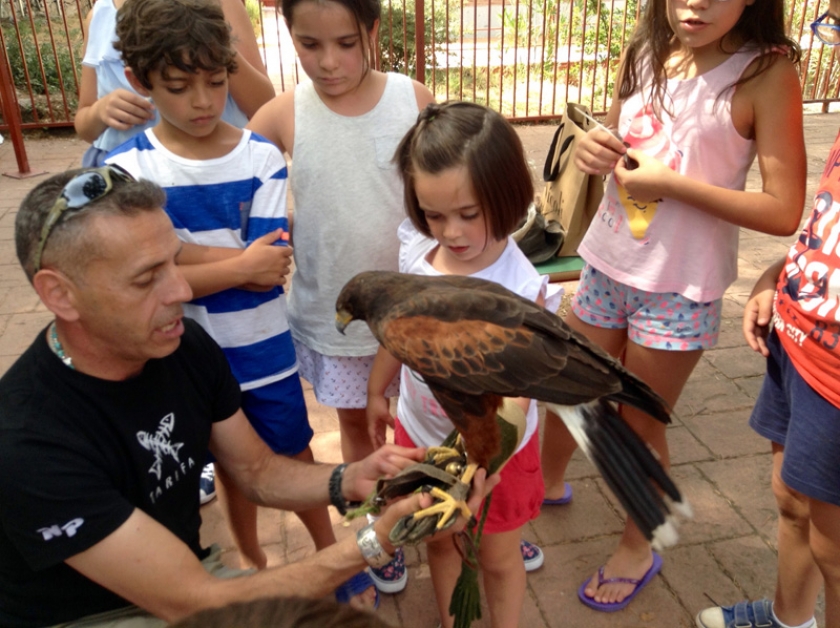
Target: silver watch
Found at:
x=372, y=550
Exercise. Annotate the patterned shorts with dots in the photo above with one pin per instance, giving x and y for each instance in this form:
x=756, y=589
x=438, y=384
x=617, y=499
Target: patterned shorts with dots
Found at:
x=659, y=320
x=339, y=381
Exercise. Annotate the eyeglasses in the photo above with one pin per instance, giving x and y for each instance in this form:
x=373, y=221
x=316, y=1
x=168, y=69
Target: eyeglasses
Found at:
x=827, y=33
x=83, y=189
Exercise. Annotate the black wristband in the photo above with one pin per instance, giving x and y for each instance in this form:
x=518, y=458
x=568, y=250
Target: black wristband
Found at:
x=336, y=498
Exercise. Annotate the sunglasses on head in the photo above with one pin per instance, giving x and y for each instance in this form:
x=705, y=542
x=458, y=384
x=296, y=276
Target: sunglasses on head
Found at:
x=80, y=191
x=828, y=34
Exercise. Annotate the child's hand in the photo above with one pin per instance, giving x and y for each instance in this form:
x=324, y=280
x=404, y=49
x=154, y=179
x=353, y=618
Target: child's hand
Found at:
x=264, y=264
x=123, y=109
x=379, y=418
x=759, y=310
x=598, y=151
x=645, y=178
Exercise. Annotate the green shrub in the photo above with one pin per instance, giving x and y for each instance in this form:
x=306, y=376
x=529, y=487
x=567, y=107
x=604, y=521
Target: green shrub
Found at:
x=58, y=66
x=397, y=31
x=255, y=14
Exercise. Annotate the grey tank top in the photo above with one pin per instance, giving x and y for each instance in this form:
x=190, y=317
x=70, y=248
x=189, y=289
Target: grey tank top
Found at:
x=348, y=204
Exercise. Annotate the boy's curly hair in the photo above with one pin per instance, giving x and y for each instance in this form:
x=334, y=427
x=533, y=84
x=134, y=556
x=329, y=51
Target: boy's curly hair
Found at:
x=187, y=34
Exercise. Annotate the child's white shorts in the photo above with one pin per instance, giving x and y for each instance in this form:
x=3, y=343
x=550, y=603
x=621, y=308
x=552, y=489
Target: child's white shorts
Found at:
x=339, y=381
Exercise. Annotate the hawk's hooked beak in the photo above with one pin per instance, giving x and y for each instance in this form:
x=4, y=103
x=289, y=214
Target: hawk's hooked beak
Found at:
x=342, y=319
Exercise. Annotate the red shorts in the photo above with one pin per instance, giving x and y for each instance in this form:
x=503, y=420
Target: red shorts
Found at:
x=518, y=497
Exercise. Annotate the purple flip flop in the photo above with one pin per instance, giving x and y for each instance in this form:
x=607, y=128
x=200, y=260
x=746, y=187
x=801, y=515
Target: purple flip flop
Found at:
x=607, y=607
x=560, y=501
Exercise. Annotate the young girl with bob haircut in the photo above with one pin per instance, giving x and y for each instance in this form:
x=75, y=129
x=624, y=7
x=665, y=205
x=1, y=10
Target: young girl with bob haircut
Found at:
x=467, y=188
x=704, y=86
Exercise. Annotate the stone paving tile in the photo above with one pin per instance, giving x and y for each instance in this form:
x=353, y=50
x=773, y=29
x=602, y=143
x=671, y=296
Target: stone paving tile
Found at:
x=726, y=553
x=726, y=434
x=737, y=361
x=711, y=394
x=20, y=330
x=744, y=483
x=684, y=447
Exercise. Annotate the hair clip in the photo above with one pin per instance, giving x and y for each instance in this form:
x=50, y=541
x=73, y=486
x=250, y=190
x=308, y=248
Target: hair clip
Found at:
x=430, y=112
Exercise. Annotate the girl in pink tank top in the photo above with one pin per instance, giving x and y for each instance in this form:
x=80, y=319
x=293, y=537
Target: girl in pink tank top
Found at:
x=703, y=87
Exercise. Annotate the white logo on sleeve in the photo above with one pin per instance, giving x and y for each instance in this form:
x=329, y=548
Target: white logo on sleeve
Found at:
x=160, y=443
x=68, y=529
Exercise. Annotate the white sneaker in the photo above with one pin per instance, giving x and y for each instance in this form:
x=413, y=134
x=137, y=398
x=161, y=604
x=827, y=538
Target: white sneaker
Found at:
x=207, y=484
x=532, y=555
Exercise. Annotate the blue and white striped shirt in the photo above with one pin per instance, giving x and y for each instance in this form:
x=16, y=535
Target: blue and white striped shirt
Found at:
x=229, y=201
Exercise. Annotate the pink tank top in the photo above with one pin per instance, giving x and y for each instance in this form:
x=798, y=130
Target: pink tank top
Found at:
x=669, y=246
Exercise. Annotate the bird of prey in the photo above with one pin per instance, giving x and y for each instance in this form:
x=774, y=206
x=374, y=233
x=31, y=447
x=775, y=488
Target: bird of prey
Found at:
x=475, y=342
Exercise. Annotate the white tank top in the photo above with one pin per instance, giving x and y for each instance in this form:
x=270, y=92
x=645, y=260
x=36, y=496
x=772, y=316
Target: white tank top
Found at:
x=668, y=246
x=348, y=204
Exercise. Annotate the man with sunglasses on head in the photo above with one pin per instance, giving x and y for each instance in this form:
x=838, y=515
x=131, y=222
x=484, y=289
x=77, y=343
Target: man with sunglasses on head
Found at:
x=106, y=419
x=793, y=319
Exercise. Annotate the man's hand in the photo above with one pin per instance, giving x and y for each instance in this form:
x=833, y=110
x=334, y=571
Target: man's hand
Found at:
x=759, y=309
x=360, y=477
x=481, y=487
x=264, y=263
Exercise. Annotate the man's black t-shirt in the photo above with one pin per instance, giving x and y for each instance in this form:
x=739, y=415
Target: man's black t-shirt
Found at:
x=78, y=454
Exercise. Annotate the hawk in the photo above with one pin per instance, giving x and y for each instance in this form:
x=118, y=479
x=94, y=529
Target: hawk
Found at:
x=474, y=342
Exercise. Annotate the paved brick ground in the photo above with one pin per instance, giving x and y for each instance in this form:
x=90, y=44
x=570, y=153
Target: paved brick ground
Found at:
x=727, y=552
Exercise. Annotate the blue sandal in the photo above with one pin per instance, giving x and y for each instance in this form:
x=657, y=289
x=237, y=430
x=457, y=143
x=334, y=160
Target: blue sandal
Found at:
x=356, y=585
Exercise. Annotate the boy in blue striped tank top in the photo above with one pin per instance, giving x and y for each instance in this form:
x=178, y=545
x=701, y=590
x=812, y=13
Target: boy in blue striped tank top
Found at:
x=226, y=197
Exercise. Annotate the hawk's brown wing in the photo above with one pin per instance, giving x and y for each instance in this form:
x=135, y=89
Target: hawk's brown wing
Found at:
x=475, y=340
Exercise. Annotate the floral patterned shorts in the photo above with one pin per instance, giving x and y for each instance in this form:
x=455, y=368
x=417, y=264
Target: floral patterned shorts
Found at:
x=659, y=320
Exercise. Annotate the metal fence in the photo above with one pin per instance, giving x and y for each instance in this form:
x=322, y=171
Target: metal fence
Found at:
x=525, y=58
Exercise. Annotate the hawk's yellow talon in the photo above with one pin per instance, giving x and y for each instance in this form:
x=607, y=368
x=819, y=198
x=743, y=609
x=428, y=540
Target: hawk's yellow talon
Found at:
x=448, y=504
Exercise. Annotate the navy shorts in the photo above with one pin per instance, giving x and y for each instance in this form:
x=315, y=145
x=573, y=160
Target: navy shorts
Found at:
x=791, y=413
x=277, y=412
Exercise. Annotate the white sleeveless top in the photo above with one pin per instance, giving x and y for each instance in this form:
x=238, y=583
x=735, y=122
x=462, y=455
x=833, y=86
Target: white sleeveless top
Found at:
x=668, y=246
x=348, y=204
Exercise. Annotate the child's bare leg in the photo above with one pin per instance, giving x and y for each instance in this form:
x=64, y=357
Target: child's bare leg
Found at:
x=317, y=520
x=504, y=577
x=355, y=442
x=241, y=516
x=799, y=580
x=666, y=372
x=825, y=546
x=445, y=567
x=558, y=446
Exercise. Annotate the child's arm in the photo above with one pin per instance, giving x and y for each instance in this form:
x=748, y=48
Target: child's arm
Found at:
x=250, y=86
x=275, y=121
x=759, y=309
x=385, y=368
x=423, y=95
x=771, y=105
x=266, y=259
x=121, y=109
x=261, y=266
